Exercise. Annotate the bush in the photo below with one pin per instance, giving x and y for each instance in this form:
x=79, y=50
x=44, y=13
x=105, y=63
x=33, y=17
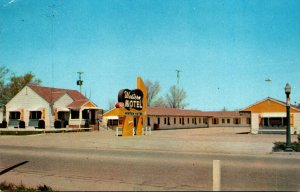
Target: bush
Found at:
x=41, y=124
x=4, y=124
x=22, y=124
x=280, y=146
x=4, y=186
x=57, y=124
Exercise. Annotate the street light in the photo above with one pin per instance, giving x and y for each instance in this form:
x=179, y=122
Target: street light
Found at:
x=288, y=147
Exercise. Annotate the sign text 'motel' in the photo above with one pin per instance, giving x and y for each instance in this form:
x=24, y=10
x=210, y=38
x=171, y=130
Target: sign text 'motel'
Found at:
x=132, y=99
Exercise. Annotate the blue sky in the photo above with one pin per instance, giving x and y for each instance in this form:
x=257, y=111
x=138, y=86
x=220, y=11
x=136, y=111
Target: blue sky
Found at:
x=225, y=49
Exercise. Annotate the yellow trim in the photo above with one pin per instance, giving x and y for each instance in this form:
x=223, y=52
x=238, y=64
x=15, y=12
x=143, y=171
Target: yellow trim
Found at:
x=22, y=115
x=89, y=104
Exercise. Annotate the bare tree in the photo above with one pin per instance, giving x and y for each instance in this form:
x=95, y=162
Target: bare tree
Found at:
x=153, y=89
x=111, y=104
x=160, y=102
x=176, y=98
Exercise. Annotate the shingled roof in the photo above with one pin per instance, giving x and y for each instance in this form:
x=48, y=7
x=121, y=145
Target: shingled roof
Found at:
x=53, y=94
x=160, y=111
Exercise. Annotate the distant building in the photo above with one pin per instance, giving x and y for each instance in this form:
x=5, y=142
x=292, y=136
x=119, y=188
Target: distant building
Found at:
x=35, y=103
x=229, y=119
x=269, y=116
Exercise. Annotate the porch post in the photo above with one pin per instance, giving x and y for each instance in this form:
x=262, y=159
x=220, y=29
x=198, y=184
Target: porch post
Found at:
x=80, y=117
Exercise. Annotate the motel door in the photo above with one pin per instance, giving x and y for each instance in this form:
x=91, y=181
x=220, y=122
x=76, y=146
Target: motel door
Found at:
x=135, y=124
x=64, y=117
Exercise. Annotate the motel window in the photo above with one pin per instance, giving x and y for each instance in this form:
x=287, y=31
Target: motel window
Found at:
x=61, y=115
x=168, y=120
x=158, y=120
x=195, y=121
x=182, y=120
x=148, y=121
x=14, y=115
x=74, y=114
x=205, y=120
x=215, y=121
x=223, y=121
x=188, y=120
x=112, y=122
x=228, y=121
x=165, y=120
x=174, y=120
x=35, y=115
x=237, y=121
x=85, y=114
x=199, y=120
x=248, y=120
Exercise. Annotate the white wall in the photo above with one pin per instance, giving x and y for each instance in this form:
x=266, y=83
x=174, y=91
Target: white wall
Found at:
x=27, y=99
x=296, y=123
x=63, y=101
x=254, y=123
x=1, y=115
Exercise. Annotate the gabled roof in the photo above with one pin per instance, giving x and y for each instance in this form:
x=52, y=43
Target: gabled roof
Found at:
x=278, y=102
x=53, y=94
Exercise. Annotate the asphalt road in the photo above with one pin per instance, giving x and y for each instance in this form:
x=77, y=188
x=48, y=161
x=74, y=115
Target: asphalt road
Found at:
x=166, y=160
x=138, y=169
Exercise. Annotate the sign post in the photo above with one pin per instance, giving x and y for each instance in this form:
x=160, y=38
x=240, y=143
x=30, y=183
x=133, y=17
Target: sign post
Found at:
x=133, y=104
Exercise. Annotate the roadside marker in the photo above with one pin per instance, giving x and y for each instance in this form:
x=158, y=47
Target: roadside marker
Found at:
x=216, y=175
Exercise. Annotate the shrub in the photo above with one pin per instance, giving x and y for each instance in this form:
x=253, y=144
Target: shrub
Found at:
x=4, y=186
x=22, y=124
x=280, y=146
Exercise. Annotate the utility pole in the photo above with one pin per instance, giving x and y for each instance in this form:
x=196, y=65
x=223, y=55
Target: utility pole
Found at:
x=178, y=88
x=80, y=81
x=52, y=16
x=178, y=77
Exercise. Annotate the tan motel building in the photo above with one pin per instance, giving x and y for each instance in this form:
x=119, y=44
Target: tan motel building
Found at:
x=159, y=118
x=269, y=116
x=265, y=116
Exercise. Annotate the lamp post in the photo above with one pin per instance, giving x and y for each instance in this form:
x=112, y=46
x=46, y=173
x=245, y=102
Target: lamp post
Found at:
x=288, y=146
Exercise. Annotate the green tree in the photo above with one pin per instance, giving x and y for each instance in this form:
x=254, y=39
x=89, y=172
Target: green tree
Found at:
x=11, y=84
x=176, y=98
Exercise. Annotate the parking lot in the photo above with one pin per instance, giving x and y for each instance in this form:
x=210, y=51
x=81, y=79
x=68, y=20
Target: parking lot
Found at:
x=205, y=140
